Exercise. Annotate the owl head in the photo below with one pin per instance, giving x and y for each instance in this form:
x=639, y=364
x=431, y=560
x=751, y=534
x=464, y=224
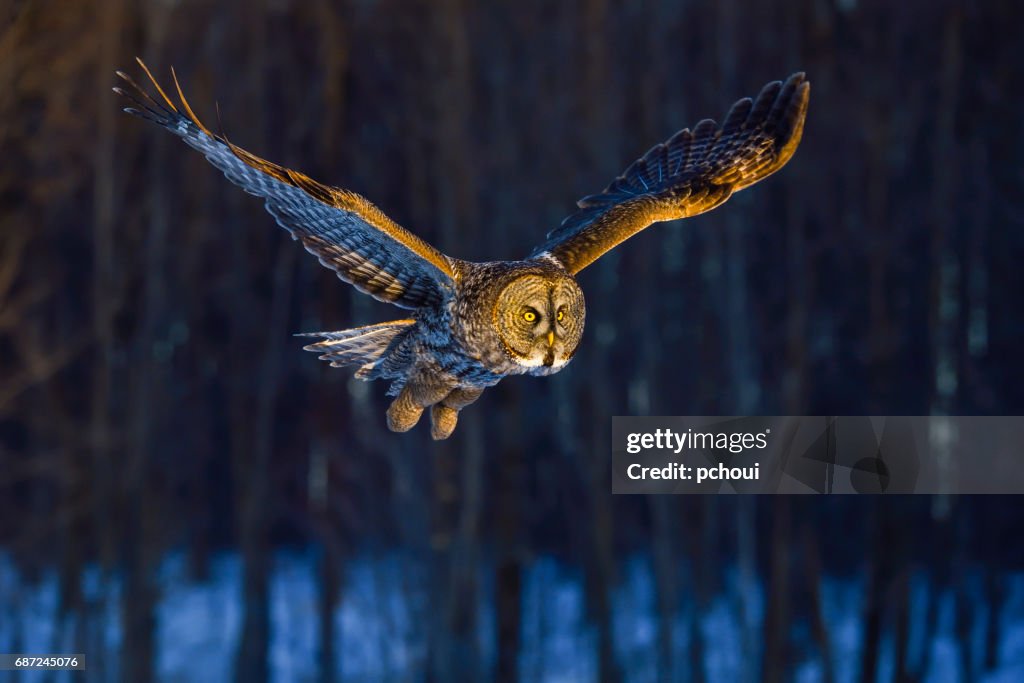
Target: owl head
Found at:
x=539, y=318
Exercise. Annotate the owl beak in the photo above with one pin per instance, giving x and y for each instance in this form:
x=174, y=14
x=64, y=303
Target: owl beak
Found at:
x=551, y=338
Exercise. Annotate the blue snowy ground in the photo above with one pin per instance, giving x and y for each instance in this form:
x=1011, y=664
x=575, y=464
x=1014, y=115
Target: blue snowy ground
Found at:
x=380, y=625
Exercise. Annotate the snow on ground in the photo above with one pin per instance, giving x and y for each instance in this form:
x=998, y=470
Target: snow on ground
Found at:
x=383, y=622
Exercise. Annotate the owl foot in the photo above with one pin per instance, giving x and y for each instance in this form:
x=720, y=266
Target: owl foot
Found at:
x=403, y=413
x=460, y=398
x=442, y=421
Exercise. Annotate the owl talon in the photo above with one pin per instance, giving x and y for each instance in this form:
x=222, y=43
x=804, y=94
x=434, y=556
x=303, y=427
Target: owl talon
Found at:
x=442, y=421
x=403, y=413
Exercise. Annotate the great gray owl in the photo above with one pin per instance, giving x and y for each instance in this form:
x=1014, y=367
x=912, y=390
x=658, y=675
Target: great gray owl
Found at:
x=474, y=323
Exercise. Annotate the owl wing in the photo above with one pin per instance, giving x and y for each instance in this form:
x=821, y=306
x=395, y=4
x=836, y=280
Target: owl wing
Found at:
x=344, y=230
x=692, y=172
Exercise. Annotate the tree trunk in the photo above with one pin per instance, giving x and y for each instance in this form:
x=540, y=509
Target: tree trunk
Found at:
x=819, y=624
x=746, y=550
x=141, y=499
x=666, y=576
x=103, y=297
x=253, y=416
x=945, y=265
x=509, y=571
x=741, y=361
x=777, y=617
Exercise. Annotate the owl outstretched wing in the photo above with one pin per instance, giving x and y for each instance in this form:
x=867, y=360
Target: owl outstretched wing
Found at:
x=344, y=230
x=692, y=172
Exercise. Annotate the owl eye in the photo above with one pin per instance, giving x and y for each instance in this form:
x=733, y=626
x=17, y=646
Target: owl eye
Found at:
x=560, y=316
x=529, y=316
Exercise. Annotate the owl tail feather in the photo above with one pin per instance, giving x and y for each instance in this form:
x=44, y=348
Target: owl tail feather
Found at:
x=364, y=346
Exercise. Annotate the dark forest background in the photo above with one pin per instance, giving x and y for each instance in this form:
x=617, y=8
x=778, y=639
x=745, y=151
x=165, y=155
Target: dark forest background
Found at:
x=153, y=400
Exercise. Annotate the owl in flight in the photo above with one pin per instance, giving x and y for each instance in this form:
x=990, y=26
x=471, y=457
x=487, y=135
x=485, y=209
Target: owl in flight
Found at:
x=471, y=324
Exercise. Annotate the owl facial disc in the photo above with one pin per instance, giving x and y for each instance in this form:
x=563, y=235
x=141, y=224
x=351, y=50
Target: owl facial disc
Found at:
x=539, y=319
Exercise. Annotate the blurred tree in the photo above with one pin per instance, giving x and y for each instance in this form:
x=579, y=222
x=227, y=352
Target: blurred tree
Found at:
x=151, y=400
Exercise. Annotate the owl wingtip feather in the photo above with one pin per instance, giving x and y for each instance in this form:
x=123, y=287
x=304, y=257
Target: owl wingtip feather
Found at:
x=188, y=108
x=156, y=84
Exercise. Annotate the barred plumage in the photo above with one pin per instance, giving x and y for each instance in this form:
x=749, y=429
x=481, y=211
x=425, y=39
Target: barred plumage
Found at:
x=473, y=324
x=689, y=174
